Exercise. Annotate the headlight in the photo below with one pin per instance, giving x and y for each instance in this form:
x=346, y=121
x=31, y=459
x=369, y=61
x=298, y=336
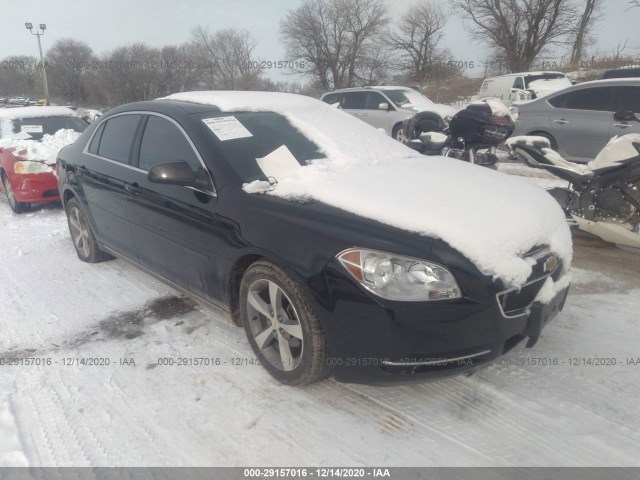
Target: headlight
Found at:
x=515, y=112
x=396, y=277
x=31, y=167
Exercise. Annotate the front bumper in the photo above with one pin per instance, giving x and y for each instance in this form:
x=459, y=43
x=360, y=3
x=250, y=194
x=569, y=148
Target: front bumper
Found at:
x=34, y=188
x=371, y=342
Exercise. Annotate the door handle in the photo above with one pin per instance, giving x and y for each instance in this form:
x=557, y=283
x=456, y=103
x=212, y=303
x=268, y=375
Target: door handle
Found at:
x=561, y=121
x=133, y=188
x=621, y=125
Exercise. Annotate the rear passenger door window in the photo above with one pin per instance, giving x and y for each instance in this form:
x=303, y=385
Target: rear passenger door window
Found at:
x=163, y=142
x=117, y=137
x=595, y=99
x=628, y=99
x=354, y=101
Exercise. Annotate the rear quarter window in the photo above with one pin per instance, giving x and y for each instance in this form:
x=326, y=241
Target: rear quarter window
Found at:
x=117, y=137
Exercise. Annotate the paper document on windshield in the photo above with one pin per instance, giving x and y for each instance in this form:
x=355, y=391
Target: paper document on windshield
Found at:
x=279, y=164
x=227, y=128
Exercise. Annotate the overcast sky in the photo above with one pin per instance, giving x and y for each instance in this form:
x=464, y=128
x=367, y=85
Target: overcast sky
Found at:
x=105, y=24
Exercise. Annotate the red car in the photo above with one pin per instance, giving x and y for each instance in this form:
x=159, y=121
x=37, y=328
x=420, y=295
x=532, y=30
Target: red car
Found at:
x=30, y=138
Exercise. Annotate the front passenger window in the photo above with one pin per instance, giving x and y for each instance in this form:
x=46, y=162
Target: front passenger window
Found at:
x=164, y=143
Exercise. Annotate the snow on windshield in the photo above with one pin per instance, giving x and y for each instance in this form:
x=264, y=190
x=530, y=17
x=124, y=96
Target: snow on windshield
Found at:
x=10, y=116
x=44, y=151
x=490, y=217
x=409, y=98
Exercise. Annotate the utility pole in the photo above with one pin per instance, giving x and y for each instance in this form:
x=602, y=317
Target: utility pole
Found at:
x=43, y=27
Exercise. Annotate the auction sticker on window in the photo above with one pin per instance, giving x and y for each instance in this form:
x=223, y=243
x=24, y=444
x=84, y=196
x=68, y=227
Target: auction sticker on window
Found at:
x=227, y=128
x=31, y=128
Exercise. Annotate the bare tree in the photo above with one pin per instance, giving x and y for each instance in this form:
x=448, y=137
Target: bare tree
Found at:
x=228, y=58
x=178, y=69
x=20, y=76
x=519, y=29
x=585, y=25
x=69, y=63
x=130, y=73
x=335, y=38
x=416, y=37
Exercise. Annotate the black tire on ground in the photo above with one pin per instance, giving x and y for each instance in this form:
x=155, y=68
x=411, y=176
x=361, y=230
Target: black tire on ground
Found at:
x=307, y=356
x=81, y=235
x=16, y=206
x=552, y=140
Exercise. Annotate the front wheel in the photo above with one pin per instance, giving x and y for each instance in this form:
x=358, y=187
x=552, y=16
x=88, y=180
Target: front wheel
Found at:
x=83, y=239
x=282, y=328
x=16, y=206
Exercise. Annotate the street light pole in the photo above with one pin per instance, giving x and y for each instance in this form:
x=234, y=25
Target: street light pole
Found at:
x=43, y=27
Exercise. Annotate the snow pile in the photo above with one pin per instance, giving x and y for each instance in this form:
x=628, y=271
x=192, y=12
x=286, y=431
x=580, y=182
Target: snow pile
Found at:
x=489, y=217
x=45, y=150
x=528, y=141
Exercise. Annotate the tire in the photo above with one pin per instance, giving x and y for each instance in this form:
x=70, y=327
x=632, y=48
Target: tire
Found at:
x=269, y=330
x=398, y=133
x=82, y=237
x=552, y=141
x=16, y=206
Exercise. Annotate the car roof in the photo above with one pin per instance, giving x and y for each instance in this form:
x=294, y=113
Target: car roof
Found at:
x=609, y=81
x=167, y=107
x=358, y=89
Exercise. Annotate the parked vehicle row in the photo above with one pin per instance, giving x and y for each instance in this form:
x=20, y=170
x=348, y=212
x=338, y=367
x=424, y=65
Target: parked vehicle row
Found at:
x=23, y=101
x=385, y=107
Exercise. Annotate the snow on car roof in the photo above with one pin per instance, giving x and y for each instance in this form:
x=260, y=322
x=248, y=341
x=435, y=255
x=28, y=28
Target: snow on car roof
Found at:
x=490, y=217
x=34, y=112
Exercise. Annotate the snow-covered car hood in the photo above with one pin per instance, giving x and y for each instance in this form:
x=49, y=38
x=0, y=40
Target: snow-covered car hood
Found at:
x=542, y=88
x=491, y=218
x=45, y=150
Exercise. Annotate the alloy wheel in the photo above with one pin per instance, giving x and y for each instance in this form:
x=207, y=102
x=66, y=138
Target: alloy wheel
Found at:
x=274, y=324
x=79, y=231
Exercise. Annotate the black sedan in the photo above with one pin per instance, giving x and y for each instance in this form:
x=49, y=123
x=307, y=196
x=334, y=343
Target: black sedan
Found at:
x=188, y=191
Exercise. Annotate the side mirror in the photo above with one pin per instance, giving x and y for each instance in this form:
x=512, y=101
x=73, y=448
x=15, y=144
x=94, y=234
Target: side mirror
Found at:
x=174, y=173
x=625, y=116
x=383, y=106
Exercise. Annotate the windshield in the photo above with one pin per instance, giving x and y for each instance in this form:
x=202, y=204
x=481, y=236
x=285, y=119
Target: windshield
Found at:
x=37, y=127
x=546, y=76
x=267, y=131
x=404, y=96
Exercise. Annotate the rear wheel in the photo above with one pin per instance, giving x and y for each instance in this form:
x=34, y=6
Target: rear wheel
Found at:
x=398, y=133
x=282, y=328
x=83, y=240
x=16, y=206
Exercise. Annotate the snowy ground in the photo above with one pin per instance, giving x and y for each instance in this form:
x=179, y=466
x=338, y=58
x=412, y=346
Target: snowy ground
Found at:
x=512, y=413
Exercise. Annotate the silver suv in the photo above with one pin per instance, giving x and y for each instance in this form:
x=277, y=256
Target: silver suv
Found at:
x=385, y=107
x=580, y=120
